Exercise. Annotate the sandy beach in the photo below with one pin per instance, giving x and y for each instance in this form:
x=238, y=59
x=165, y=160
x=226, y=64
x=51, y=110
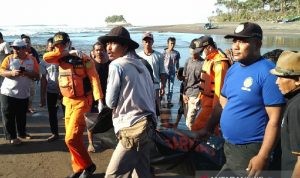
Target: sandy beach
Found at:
x=36, y=158
x=226, y=28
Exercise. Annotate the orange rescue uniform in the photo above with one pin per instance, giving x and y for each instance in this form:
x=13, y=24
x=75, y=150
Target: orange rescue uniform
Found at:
x=213, y=72
x=76, y=105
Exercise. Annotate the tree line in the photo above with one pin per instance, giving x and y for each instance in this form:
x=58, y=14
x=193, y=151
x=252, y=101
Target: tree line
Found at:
x=264, y=10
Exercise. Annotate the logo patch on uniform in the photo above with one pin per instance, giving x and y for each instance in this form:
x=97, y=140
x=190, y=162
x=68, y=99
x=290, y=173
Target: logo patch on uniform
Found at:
x=88, y=64
x=239, y=28
x=247, y=84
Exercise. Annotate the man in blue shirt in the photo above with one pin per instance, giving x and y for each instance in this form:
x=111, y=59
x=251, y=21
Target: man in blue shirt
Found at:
x=250, y=106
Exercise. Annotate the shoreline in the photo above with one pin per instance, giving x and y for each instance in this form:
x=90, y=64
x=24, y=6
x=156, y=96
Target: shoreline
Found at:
x=223, y=28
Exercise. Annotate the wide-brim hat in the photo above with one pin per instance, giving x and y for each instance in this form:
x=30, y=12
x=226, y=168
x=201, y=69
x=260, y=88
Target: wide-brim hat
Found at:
x=288, y=64
x=119, y=34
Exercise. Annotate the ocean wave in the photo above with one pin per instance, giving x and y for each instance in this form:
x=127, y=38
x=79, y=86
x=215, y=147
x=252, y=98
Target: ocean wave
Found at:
x=45, y=30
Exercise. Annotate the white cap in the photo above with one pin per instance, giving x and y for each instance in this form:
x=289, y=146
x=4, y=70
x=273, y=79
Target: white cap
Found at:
x=18, y=43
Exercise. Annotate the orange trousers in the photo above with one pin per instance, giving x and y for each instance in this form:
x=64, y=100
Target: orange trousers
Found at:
x=204, y=115
x=75, y=126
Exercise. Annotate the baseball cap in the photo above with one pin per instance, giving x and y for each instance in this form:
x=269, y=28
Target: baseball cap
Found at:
x=147, y=35
x=247, y=30
x=60, y=38
x=288, y=64
x=18, y=43
x=205, y=41
x=195, y=46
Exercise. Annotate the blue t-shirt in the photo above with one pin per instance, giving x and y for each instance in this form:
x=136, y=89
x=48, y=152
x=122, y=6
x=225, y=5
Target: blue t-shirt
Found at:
x=248, y=89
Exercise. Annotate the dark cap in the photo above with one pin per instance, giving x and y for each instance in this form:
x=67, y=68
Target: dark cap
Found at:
x=147, y=35
x=247, y=30
x=195, y=46
x=205, y=41
x=61, y=38
x=119, y=34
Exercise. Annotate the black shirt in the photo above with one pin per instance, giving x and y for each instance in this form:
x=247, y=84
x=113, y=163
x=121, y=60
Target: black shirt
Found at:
x=102, y=70
x=290, y=134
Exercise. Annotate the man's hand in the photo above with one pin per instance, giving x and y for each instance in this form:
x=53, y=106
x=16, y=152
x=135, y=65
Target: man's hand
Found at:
x=162, y=91
x=15, y=72
x=256, y=165
x=185, y=99
x=202, y=133
x=100, y=105
x=42, y=102
x=76, y=53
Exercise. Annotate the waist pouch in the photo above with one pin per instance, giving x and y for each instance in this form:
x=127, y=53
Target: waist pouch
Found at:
x=135, y=135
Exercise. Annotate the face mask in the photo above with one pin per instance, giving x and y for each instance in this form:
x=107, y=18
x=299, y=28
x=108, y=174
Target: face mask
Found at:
x=203, y=55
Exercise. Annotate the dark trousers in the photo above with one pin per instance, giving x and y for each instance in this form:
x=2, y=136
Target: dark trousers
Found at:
x=52, y=111
x=14, y=113
x=237, y=158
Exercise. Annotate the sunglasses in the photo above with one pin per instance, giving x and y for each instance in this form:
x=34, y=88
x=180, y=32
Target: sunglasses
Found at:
x=18, y=48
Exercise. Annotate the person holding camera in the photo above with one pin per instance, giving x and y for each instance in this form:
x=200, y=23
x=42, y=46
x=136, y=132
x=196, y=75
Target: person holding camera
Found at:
x=18, y=69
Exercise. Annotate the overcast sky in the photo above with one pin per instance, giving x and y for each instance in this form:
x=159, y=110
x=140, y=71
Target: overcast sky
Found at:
x=94, y=12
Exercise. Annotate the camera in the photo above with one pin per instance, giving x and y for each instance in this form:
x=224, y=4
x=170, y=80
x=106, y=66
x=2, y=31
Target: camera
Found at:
x=22, y=69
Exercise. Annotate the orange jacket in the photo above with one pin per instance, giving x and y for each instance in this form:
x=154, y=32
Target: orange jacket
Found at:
x=213, y=73
x=71, y=77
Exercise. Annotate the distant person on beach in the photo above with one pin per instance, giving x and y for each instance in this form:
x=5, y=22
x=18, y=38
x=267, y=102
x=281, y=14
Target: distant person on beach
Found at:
x=191, y=72
x=50, y=89
x=131, y=95
x=250, y=106
x=171, y=62
x=212, y=77
x=35, y=54
x=18, y=69
x=181, y=109
x=4, y=48
x=4, y=51
x=288, y=72
x=101, y=63
x=78, y=82
x=155, y=59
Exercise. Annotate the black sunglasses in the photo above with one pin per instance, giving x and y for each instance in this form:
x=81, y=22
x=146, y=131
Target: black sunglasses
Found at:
x=18, y=48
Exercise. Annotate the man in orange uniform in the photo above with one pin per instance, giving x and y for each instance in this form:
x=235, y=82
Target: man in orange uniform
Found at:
x=78, y=82
x=213, y=72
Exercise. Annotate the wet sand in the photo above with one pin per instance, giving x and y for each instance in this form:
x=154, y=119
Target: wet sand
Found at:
x=227, y=28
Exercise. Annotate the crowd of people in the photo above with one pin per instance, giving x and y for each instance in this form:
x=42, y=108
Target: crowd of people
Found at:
x=238, y=95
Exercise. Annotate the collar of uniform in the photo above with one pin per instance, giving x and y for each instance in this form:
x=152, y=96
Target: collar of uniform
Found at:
x=211, y=55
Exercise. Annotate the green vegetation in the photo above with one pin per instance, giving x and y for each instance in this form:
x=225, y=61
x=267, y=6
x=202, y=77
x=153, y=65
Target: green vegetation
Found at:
x=115, y=18
x=256, y=10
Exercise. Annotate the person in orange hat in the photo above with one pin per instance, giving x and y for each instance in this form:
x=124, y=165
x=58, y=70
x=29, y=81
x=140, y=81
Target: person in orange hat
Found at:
x=78, y=82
